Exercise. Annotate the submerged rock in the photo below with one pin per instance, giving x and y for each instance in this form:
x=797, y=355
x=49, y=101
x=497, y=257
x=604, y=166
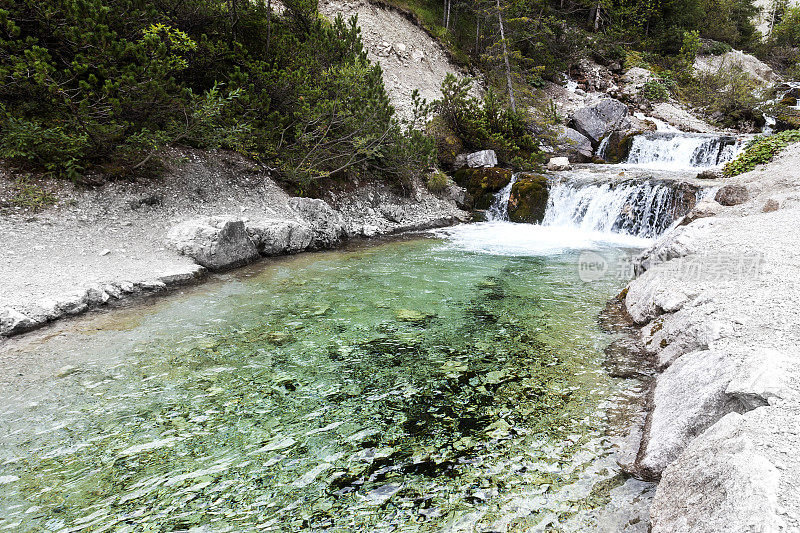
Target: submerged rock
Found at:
x=483, y=183
x=528, y=200
x=217, y=243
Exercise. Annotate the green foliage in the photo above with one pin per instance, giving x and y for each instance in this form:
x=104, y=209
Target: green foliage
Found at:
x=689, y=47
x=727, y=93
x=437, y=181
x=761, y=150
x=787, y=31
x=715, y=48
x=89, y=83
x=654, y=90
x=487, y=124
x=29, y=195
x=730, y=22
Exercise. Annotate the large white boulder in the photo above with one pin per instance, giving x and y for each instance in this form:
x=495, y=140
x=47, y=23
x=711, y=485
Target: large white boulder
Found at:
x=217, y=243
x=327, y=225
x=484, y=158
x=279, y=237
x=739, y=476
x=689, y=397
x=558, y=163
x=597, y=121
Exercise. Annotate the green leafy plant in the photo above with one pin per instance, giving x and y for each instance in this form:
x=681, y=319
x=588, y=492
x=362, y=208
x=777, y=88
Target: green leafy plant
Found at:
x=488, y=124
x=717, y=48
x=654, y=90
x=28, y=194
x=728, y=94
x=437, y=181
x=761, y=150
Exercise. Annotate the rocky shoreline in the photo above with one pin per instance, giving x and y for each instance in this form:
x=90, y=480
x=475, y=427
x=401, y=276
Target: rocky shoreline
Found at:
x=716, y=301
x=210, y=212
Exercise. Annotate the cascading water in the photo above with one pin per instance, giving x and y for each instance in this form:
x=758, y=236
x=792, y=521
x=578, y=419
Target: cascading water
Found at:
x=499, y=208
x=680, y=151
x=641, y=209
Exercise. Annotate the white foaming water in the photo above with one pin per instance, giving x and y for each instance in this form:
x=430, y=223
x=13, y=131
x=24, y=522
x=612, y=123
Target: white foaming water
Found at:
x=643, y=210
x=681, y=151
x=499, y=208
x=508, y=238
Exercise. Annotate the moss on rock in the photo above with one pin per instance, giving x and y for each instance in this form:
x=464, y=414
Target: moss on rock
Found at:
x=619, y=146
x=528, y=200
x=482, y=183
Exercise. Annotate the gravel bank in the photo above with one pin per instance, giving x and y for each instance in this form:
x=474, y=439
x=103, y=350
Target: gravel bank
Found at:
x=101, y=245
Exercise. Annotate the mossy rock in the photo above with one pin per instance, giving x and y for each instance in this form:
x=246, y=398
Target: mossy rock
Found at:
x=483, y=183
x=528, y=200
x=448, y=145
x=619, y=146
x=788, y=119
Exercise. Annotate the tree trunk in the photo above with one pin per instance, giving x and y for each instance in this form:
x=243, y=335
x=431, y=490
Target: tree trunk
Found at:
x=597, y=16
x=444, y=14
x=449, y=3
x=505, y=58
x=269, y=26
x=477, y=35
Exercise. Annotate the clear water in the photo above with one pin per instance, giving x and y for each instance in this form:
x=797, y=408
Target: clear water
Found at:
x=410, y=386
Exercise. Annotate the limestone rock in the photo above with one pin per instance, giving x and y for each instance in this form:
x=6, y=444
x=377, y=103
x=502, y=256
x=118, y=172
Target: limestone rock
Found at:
x=217, y=243
x=573, y=145
x=13, y=322
x=710, y=174
x=279, y=237
x=558, y=163
x=457, y=195
x=762, y=378
x=597, y=121
x=683, y=120
x=689, y=397
x=633, y=81
x=705, y=208
x=751, y=65
x=727, y=480
x=327, y=225
x=172, y=277
x=482, y=159
x=732, y=195
x=528, y=200
x=770, y=206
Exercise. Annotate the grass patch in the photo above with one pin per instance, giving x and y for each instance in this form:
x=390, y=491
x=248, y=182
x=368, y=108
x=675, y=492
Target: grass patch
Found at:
x=761, y=150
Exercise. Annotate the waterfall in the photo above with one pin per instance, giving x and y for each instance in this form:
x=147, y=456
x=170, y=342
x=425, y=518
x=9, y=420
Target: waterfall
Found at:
x=644, y=209
x=676, y=151
x=499, y=208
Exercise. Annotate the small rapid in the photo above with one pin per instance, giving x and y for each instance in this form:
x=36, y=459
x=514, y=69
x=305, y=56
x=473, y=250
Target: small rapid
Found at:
x=682, y=151
x=643, y=209
x=499, y=208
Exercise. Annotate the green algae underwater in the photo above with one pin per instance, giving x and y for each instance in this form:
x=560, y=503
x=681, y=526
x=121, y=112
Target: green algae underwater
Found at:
x=404, y=386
